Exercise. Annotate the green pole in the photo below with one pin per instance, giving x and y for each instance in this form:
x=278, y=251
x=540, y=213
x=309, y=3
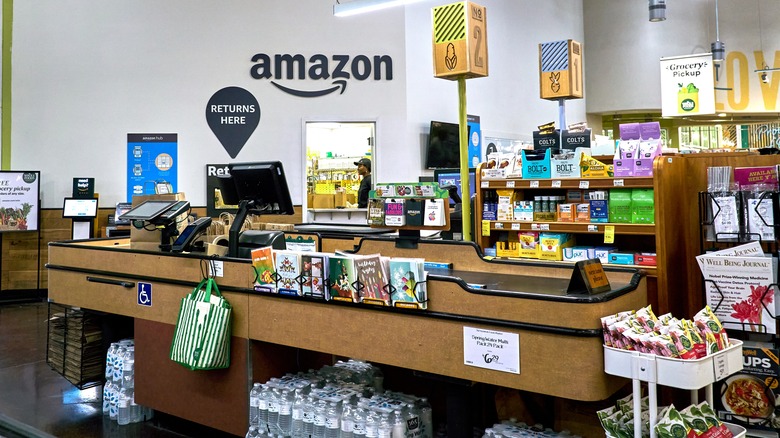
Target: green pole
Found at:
x=464, y=159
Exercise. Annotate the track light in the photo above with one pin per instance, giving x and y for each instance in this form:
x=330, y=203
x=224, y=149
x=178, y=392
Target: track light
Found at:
x=764, y=77
x=355, y=7
x=718, y=48
x=657, y=9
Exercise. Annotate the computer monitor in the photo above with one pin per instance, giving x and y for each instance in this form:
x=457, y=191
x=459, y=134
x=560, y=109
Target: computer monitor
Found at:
x=447, y=177
x=443, y=148
x=257, y=188
x=76, y=208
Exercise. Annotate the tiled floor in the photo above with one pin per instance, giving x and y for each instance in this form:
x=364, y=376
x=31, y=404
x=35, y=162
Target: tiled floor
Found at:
x=36, y=401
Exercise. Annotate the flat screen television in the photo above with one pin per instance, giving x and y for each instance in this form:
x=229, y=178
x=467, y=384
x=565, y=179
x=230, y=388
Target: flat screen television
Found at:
x=446, y=177
x=80, y=208
x=443, y=150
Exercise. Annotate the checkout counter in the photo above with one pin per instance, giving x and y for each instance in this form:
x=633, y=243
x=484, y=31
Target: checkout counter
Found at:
x=560, y=343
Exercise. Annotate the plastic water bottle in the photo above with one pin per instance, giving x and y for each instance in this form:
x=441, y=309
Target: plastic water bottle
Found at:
x=308, y=417
x=413, y=429
x=347, y=421
x=135, y=411
x=252, y=432
x=110, y=361
x=128, y=368
x=359, y=426
x=113, y=398
x=285, y=412
x=319, y=419
x=299, y=400
x=372, y=424
x=106, y=396
x=399, y=424
x=118, y=366
x=262, y=408
x=426, y=418
x=273, y=410
x=123, y=406
x=333, y=421
x=385, y=429
x=254, y=400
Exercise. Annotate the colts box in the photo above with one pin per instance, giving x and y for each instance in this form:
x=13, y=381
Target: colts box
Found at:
x=560, y=70
x=460, y=41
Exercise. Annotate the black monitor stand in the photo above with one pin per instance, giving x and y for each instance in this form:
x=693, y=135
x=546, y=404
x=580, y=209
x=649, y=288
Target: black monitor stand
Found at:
x=244, y=208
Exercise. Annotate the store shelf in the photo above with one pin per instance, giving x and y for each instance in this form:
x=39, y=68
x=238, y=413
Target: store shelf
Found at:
x=649, y=270
x=568, y=183
x=573, y=227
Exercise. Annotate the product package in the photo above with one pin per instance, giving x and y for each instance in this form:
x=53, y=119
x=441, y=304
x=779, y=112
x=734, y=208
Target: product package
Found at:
x=599, y=206
x=642, y=206
x=620, y=206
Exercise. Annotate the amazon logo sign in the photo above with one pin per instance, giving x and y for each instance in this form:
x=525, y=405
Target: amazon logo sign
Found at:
x=334, y=72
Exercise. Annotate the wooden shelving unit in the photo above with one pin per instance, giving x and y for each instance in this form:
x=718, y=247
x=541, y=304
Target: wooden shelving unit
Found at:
x=666, y=237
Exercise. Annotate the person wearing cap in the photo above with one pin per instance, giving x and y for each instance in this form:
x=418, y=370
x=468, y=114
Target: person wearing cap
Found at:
x=364, y=170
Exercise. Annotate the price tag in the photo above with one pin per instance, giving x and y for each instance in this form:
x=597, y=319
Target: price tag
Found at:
x=584, y=184
x=618, y=182
x=534, y=226
x=533, y=184
x=609, y=234
x=499, y=225
x=515, y=226
x=721, y=366
x=556, y=184
x=593, y=228
x=485, y=228
x=545, y=227
x=510, y=184
x=485, y=184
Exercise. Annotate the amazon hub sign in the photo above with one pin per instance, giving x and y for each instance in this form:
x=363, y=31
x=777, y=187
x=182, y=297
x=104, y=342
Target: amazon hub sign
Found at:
x=233, y=113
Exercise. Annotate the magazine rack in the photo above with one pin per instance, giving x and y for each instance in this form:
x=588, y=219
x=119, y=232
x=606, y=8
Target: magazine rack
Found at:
x=676, y=373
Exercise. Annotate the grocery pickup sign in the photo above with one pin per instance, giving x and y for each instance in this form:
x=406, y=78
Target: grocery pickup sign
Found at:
x=687, y=85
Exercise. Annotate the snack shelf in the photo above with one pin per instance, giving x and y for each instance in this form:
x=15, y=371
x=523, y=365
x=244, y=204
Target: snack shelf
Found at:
x=573, y=227
x=692, y=374
x=569, y=183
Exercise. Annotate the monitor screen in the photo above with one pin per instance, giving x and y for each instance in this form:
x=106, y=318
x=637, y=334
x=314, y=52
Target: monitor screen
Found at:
x=80, y=207
x=443, y=146
x=265, y=184
x=446, y=177
x=122, y=208
x=147, y=210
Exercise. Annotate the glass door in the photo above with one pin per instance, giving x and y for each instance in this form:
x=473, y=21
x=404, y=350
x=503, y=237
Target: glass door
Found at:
x=332, y=178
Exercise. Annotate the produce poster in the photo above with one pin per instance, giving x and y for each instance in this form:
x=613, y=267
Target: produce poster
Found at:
x=19, y=195
x=687, y=85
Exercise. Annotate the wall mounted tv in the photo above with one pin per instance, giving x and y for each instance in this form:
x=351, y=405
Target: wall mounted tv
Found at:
x=443, y=149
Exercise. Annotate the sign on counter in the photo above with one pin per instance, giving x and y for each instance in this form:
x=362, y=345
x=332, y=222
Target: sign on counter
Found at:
x=499, y=351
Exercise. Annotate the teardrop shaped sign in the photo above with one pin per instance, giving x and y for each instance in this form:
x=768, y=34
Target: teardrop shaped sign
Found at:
x=233, y=114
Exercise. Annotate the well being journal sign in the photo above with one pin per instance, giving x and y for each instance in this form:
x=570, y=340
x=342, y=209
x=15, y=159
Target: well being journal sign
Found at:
x=687, y=85
x=151, y=160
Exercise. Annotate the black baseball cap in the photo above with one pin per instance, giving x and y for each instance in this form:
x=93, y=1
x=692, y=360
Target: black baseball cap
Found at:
x=364, y=161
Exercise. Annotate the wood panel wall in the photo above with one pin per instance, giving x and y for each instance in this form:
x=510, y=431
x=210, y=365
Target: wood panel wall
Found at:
x=23, y=255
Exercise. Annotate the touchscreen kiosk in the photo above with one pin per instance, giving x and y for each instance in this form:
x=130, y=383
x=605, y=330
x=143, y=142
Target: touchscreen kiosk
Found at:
x=76, y=208
x=257, y=188
x=160, y=214
x=147, y=211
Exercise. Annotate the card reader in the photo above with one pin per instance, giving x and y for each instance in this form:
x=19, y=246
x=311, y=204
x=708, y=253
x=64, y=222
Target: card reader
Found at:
x=188, y=235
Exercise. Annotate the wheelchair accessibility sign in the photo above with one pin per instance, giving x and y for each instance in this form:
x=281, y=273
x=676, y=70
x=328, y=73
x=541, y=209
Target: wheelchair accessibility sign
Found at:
x=145, y=294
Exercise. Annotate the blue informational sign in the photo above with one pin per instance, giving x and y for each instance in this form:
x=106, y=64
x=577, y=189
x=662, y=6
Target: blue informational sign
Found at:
x=144, y=294
x=151, y=163
x=475, y=140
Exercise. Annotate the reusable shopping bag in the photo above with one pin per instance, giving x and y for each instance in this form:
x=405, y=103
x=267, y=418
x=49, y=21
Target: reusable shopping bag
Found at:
x=201, y=340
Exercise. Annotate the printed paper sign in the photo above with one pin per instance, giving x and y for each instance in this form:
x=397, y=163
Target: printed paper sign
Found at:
x=687, y=85
x=499, y=351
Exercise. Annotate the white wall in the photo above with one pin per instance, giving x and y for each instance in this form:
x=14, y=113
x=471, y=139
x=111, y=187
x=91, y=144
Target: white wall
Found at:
x=87, y=72
x=623, y=48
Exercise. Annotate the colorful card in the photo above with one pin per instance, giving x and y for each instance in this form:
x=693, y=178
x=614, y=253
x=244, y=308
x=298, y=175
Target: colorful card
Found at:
x=341, y=275
x=314, y=275
x=263, y=263
x=372, y=278
x=288, y=267
x=407, y=276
